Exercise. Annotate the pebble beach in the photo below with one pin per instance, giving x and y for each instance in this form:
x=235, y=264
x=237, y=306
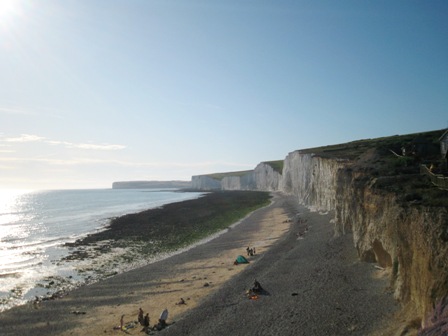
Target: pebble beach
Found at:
x=313, y=284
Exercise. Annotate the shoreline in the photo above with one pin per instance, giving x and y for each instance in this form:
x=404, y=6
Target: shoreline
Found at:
x=56, y=266
x=107, y=252
x=281, y=263
x=192, y=278
x=154, y=279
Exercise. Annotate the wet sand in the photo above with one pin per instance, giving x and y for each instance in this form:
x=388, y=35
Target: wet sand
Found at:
x=314, y=285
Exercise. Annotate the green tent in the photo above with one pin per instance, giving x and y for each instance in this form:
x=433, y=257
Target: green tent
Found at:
x=241, y=260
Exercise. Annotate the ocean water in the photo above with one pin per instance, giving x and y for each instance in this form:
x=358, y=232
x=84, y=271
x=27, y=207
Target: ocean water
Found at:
x=35, y=225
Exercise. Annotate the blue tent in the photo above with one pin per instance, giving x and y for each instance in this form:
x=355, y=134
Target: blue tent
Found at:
x=241, y=260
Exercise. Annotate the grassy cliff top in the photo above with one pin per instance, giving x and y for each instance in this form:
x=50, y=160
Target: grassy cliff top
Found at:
x=220, y=176
x=383, y=162
x=353, y=150
x=276, y=165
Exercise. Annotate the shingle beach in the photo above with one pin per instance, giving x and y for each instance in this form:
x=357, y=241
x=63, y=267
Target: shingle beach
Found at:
x=314, y=285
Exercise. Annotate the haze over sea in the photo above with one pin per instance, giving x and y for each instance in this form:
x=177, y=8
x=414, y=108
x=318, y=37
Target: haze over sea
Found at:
x=35, y=225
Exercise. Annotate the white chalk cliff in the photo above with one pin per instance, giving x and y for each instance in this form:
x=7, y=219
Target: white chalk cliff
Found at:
x=409, y=239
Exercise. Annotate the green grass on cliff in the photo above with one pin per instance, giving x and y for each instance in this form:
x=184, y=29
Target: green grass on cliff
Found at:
x=381, y=161
x=353, y=150
x=276, y=165
x=220, y=176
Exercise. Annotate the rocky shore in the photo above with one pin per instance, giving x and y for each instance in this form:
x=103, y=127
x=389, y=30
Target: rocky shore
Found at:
x=137, y=239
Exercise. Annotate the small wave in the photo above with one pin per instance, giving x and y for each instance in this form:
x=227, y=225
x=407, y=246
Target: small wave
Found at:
x=9, y=240
x=7, y=221
x=14, y=213
x=10, y=223
x=22, y=264
x=10, y=275
x=41, y=244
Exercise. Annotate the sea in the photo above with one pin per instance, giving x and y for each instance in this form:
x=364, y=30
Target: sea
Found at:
x=35, y=225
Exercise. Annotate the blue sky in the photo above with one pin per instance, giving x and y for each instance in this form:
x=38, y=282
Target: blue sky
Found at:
x=96, y=91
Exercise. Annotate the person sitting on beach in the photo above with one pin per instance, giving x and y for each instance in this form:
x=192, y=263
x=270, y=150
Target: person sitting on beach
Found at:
x=162, y=320
x=181, y=302
x=140, y=316
x=163, y=317
x=257, y=287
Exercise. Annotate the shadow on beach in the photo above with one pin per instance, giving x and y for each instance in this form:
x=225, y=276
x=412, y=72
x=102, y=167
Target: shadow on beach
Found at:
x=316, y=286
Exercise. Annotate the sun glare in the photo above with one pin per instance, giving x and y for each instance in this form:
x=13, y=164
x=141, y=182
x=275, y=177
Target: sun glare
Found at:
x=8, y=10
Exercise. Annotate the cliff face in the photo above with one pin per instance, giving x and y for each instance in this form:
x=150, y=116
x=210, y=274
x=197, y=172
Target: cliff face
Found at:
x=204, y=182
x=408, y=239
x=312, y=179
x=243, y=182
x=263, y=177
x=266, y=178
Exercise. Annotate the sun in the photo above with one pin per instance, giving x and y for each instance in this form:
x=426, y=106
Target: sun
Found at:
x=7, y=7
x=8, y=10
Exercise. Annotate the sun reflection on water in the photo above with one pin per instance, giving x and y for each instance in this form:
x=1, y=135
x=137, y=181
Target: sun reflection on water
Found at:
x=11, y=228
x=10, y=211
